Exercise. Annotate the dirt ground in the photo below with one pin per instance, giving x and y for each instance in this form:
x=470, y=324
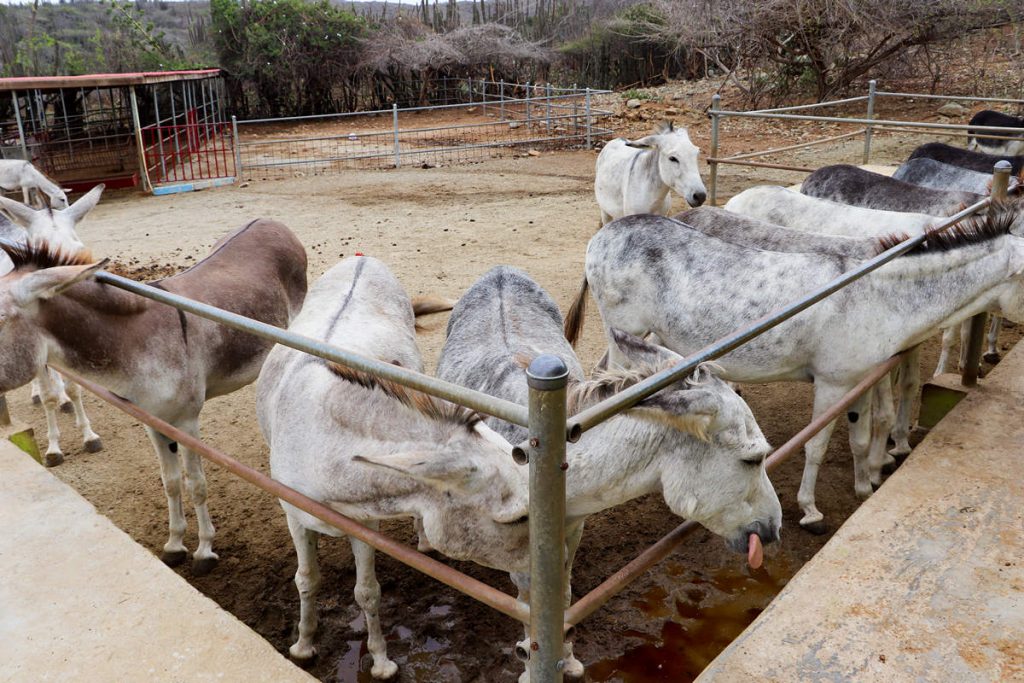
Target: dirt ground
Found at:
x=439, y=230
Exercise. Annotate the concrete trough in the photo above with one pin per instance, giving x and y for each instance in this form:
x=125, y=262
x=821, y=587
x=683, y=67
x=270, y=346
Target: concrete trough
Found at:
x=81, y=601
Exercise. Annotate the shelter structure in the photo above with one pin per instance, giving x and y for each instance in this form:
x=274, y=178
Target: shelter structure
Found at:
x=163, y=130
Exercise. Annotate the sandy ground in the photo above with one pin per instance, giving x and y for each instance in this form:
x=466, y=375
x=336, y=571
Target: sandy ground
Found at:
x=439, y=230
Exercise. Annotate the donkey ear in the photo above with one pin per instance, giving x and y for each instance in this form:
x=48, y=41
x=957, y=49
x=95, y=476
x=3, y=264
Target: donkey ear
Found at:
x=49, y=282
x=21, y=213
x=639, y=351
x=692, y=411
x=649, y=142
x=430, y=467
x=85, y=203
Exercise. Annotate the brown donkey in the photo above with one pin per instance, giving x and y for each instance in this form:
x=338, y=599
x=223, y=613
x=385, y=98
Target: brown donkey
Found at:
x=165, y=361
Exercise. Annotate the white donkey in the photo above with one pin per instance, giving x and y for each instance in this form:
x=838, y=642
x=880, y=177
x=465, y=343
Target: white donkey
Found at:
x=17, y=173
x=167, y=362
x=57, y=227
x=374, y=450
x=635, y=177
x=696, y=443
x=693, y=286
x=795, y=210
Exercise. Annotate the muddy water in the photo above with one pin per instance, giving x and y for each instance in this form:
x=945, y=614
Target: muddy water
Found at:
x=700, y=614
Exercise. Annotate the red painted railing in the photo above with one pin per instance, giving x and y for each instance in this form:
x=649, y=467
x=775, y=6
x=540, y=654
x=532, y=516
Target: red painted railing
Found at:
x=194, y=150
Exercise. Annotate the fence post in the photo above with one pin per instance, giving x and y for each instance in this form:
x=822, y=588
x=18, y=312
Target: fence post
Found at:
x=21, y=126
x=398, y=151
x=547, y=377
x=716, y=101
x=590, y=141
x=237, y=149
x=501, y=98
x=470, y=82
x=871, y=112
x=548, y=94
x=143, y=169
x=527, y=104
x=972, y=359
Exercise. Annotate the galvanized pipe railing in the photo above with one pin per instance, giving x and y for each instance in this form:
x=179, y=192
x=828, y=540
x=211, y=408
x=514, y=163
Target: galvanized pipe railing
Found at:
x=485, y=403
x=626, y=398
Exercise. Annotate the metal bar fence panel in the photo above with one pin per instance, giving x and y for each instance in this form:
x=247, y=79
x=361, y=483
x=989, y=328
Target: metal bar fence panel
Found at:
x=870, y=115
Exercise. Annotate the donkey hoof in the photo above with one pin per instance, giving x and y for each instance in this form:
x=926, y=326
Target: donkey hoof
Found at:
x=66, y=407
x=384, y=670
x=53, y=459
x=93, y=445
x=173, y=558
x=303, y=660
x=819, y=528
x=202, y=567
x=37, y=400
x=991, y=357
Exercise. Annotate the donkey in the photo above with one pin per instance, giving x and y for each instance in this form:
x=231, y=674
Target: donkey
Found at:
x=57, y=227
x=956, y=156
x=797, y=211
x=696, y=443
x=690, y=287
x=165, y=361
x=635, y=177
x=17, y=173
x=988, y=117
x=374, y=450
x=852, y=185
x=937, y=175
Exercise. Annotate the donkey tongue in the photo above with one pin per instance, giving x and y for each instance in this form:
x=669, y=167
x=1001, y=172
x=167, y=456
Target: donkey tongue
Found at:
x=755, y=552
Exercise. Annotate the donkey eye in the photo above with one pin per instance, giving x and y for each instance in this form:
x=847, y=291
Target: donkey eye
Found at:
x=521, y=520
x=755, y=462
x=673, y=160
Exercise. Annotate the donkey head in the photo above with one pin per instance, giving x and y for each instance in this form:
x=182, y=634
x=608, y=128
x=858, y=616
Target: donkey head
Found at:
x=713, y=452
x=55, y=225
x=677, y=161
x=476, y=499
x=22, y=340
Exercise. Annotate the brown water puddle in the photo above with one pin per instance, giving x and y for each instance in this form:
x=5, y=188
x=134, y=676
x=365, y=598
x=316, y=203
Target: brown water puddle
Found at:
x=702, y=611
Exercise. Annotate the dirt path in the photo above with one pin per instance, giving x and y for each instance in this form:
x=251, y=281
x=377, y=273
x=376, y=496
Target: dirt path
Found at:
x=438, y=230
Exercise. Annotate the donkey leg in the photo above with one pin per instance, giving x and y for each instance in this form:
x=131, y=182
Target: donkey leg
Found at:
x=814, y=453
x=307, y=580
x=965, y=337
x=170, y=473
x=368, y=598
x=573, y=667
x=948, y=337
x=991, y=352
x=422, y=544
x=90, y=439
x=882, y=418
x=203, y=559
x=860, y=442
x=909, y=385
x=62, y=392
x=54, y=456
x=37, y=392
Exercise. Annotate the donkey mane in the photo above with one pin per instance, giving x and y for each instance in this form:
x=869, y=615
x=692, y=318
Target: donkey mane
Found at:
x=430, y=407
x=41, y=254
x=973, y=230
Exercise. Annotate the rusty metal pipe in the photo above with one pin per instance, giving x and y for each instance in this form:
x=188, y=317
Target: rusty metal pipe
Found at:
x=762, y=164
x=596, y=598
x=488, y=595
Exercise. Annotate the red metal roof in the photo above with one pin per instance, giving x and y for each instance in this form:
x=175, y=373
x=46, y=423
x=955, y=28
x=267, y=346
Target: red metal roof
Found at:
x=103, y=80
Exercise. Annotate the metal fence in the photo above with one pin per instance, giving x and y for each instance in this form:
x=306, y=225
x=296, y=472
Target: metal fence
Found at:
x=489, y=119
x=867, y=127
x=550, y=429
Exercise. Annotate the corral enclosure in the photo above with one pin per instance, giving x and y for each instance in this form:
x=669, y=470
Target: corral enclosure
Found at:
x=438, y=230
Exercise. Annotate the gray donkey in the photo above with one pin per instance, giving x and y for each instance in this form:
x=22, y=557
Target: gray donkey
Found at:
x=696, y=443
x=852, y=185
x=374, y=450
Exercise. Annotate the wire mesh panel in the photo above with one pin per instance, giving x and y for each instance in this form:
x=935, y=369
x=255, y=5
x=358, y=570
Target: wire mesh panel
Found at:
x=493, y=119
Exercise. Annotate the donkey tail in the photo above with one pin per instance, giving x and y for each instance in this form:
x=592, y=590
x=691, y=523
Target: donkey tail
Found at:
x=577, y=312
x=425, y=305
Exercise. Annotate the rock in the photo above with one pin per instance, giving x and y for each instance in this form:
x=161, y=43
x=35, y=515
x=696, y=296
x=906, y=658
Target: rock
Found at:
x=514, y=124
x=427, y=164
x=952, y=109
x=671, y=111
x=244, y=185
x=533, y=153
x=633, y=104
